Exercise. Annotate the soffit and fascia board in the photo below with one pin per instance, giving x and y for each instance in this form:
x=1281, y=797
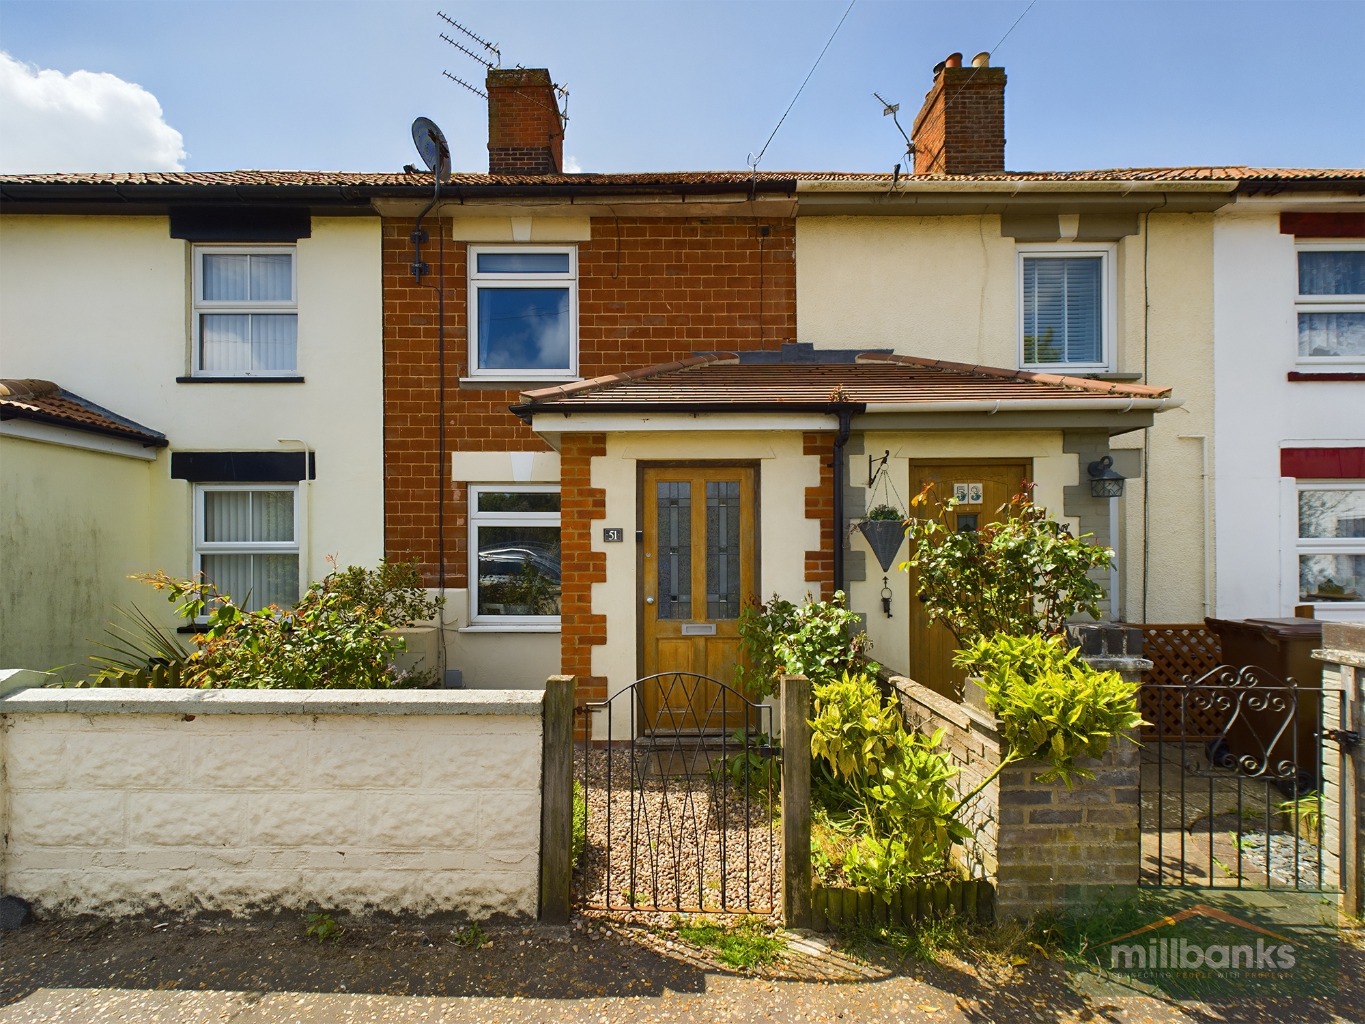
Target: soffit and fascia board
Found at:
x=1040, y=198
x=552, y=423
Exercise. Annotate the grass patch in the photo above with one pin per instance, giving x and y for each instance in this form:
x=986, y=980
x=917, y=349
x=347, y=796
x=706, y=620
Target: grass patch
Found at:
x=742, y=946
x=998, y=946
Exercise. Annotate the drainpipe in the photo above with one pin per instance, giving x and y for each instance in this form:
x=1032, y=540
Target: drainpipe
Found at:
x=845, y=413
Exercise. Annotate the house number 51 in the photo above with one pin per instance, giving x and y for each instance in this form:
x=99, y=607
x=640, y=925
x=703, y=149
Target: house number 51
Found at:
x=613, y=534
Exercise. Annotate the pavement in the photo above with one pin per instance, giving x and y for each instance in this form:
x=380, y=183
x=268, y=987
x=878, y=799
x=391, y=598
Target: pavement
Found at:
x=188, y=971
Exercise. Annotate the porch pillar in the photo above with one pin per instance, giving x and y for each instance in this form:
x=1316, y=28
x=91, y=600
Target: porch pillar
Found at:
x=796, y=865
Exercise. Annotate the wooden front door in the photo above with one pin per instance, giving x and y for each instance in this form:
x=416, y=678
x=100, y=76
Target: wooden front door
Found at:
x=987, y=485
x=699, y=568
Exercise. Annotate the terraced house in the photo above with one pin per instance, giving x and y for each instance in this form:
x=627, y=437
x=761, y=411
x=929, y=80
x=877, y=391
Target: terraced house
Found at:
x=604, y=411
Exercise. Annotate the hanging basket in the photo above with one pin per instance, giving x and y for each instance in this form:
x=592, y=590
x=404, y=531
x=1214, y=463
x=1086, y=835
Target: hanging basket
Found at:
x=884, y=536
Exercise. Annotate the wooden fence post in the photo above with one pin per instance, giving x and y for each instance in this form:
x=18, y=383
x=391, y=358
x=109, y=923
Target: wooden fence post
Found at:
x=556, y=801
x=796, y=734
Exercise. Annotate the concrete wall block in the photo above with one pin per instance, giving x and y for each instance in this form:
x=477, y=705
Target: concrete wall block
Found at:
x=67, y=818
x=307, y=819
x=423, y=820
x=138, y=759
x=210, y=819
x=480, y=762
x=276, y=755
x=355, y=762
x=509, y=821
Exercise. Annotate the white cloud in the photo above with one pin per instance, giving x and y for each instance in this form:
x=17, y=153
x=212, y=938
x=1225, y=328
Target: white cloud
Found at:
x=84, y=121
x=572, y=166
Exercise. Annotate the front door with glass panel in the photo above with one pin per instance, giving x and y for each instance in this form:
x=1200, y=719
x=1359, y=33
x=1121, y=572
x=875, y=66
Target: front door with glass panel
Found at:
x=699, y=568
x=981, y=487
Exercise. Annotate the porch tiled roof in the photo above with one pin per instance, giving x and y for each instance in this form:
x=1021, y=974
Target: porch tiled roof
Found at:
x=729, y=380
x=45, y=402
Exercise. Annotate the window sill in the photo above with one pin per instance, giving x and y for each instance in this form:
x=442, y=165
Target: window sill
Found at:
x=1329, y=375
x=515, y=383
x=239, y=380
x=519, y=627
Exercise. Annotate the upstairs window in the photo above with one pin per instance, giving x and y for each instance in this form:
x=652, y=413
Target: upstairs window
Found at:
x=1066, y=316
x=523, y=315
x=1331, y=302
x=246, y=316
x=246, y=542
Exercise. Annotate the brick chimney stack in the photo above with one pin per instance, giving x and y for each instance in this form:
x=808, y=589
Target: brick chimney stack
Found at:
x=525, y=133
x=961, y=127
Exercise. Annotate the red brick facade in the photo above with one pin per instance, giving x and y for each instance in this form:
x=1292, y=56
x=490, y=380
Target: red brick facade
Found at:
x=650, y=290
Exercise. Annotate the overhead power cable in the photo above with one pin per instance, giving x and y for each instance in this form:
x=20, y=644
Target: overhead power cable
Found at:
x=754, y=160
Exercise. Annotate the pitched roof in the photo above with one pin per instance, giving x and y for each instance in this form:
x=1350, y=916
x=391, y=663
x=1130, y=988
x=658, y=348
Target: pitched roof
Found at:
x=721, y=381
x=44, y=402
x=1254, y=177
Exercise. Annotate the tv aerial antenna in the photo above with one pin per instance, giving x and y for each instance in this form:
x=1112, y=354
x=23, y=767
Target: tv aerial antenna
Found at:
x=890, y=110
x=469, y=52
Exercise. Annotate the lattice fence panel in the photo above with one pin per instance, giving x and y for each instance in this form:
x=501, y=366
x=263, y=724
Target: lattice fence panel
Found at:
x=1178, y=651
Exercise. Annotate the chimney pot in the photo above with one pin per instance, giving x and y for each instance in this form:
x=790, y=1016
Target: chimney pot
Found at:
x=981, y=60
x=954, y=60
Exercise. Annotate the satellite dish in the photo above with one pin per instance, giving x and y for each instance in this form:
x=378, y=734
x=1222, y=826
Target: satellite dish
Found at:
x=431, y=146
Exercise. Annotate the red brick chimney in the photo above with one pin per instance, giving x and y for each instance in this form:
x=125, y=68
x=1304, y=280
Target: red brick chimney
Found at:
x=961, y=127
x=525, y=133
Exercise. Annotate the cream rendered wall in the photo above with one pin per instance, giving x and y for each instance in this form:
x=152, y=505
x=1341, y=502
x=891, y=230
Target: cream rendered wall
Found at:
x=947, y=287
x=118, y=802
x=1053, y=470
x=75, y=524
x=1260, y=411
x=101, y=305
x=785, y=534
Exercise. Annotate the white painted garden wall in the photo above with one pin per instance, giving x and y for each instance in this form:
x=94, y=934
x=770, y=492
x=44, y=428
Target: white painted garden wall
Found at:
x=123, y=801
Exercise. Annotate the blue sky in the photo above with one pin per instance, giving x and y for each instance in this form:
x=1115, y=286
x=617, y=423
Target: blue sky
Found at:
x=669, y=85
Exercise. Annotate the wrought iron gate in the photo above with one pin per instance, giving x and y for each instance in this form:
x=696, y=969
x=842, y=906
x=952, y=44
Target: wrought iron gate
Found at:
x=1238, y=805
x=682, y=806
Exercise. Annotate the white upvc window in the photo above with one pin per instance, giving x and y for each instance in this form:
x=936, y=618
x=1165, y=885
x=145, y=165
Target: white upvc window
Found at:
x=1331, y=544
x=246, y=314
x=523, y=312
x=1331, y=302
x=1066, y=308
x=246, y=542
x=514, y=574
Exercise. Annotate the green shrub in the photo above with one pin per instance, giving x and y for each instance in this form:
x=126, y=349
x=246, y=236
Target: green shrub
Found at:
x=394, y=588
x=1024, y=574
x=818, y=639
x=885, y=513
x=1051, y=705
x=329, y=639
x=892, y=788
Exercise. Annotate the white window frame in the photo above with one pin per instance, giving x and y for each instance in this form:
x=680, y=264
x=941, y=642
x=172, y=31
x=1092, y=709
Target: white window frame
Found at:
x=1325, y=303
x=478, y=282
x=1107, y=252
x=477, y=519
x=204, y=547
x=201, y=305
x=1321, y=546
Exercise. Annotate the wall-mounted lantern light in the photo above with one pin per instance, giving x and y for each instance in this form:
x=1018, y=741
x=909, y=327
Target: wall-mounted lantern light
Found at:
x=1104, y=482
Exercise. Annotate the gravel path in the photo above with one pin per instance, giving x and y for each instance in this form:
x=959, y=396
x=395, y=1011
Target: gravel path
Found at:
x=682, y=838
